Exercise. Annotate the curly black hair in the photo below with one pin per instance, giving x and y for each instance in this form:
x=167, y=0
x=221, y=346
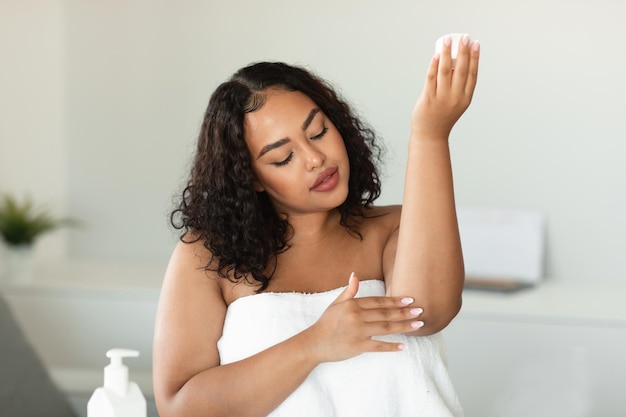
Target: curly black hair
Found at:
x=219, y=204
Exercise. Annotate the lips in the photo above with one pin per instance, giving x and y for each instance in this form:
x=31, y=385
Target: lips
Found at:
x=326, y=180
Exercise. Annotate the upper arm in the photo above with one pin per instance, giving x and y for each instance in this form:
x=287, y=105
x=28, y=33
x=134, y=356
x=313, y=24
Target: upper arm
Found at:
x=441, y=301
x=390, y=246
x=389, y=258
x=189, y=321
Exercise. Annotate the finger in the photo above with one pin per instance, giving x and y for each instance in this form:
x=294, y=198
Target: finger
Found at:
x=391, y=314
x=444, y=72
x=384, y=328
x=380, y=346
x=459, y=79
x=430, y=86
x=472, y=72
x=350, y=291
x=383, y=302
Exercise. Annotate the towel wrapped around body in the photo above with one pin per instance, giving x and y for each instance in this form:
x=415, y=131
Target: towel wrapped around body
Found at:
x=410, y=383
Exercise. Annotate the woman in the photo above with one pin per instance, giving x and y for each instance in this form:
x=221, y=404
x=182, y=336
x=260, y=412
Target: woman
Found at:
x=255, y=317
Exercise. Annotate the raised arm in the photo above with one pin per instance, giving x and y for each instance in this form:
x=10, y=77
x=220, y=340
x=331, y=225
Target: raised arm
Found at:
x=424, y=258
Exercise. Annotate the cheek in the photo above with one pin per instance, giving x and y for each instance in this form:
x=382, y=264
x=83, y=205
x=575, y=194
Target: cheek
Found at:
x=276, y=183
x=339, y=147
x=269, y=178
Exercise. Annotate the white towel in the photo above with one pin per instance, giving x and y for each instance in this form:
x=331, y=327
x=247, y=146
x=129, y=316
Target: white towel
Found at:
x=410, y=383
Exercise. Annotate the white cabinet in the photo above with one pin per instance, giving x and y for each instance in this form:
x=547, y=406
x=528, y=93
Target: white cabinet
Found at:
x=555, y=350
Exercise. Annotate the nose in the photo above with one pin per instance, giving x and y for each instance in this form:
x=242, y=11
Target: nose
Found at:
x=313, y=157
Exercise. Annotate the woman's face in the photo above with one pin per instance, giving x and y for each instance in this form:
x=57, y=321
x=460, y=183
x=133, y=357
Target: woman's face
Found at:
x=298, y=156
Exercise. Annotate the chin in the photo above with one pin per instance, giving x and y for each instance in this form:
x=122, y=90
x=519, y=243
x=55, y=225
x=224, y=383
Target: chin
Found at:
x=342, y=196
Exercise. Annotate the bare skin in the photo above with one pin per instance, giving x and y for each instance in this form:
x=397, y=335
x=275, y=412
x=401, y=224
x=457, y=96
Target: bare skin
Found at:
x=415, y=249
x=428, y=261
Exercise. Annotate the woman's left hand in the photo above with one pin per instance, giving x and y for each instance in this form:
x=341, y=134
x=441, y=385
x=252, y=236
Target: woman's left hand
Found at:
x=447, y=91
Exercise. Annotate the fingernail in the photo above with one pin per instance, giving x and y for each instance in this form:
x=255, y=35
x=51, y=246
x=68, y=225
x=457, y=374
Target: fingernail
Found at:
x=401, y=346
x=476, y=46
x=351, y=277
x=416, y=311
x=465, y=40
x=417, y=324
x=406, y=301
x=447, y=41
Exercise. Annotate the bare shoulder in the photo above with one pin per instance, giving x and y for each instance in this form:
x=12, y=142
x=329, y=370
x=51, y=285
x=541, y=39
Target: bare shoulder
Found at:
x=187, y=270
x=189, y=320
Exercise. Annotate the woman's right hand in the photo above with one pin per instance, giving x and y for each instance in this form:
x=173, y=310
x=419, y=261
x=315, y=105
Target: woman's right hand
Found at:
x=347, y=326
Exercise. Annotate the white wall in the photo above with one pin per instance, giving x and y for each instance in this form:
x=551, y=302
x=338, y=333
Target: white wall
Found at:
x=33, y=141
x=111, y=94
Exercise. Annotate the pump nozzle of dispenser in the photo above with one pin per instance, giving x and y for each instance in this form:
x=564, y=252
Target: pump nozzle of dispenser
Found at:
x=116, y=373
x=119, y=397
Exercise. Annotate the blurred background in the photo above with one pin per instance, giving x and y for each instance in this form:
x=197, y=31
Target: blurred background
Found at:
x=101, y=103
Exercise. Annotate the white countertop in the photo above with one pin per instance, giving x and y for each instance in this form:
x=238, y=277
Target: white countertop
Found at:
x=551, y=301
x=110, y=279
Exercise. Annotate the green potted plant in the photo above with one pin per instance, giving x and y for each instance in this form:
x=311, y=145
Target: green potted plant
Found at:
x=21, y=224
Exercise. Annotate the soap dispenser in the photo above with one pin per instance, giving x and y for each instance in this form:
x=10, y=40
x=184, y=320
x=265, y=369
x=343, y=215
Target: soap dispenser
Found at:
x=119, y=397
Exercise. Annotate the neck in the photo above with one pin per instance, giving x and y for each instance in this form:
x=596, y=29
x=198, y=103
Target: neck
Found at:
x=310, y=229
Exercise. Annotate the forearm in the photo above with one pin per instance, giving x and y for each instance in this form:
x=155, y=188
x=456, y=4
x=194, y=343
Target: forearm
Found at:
x=250, y=387
x=429, y=263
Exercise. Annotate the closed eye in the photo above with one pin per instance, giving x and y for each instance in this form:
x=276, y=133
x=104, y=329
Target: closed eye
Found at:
x=321, y=134
x=284, y=161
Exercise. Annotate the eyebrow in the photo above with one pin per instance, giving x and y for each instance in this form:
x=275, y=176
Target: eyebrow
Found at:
x=281, y=142
x=271, y=146
x=309, y=118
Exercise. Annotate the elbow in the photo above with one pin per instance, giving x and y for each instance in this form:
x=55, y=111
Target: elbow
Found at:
x=165, y=403
x=438, y=317
x=175, y=405
x=186, y=401
x=447, y=315
x=171, y=402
